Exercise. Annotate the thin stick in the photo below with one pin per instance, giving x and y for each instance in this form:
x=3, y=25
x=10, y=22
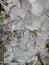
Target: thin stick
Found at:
x=40, y=59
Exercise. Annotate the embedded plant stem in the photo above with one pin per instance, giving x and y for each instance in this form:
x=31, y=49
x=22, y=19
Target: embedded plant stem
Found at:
x=40, y=59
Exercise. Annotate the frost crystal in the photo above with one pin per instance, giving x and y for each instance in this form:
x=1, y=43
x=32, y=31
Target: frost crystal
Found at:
x=25, y=32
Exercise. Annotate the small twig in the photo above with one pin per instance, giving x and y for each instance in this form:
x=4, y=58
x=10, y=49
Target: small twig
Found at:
x=40, y=59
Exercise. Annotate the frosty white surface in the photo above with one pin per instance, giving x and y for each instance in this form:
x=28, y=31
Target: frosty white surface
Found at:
x=28, y=24
x=37, y=9
x=31, y=1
